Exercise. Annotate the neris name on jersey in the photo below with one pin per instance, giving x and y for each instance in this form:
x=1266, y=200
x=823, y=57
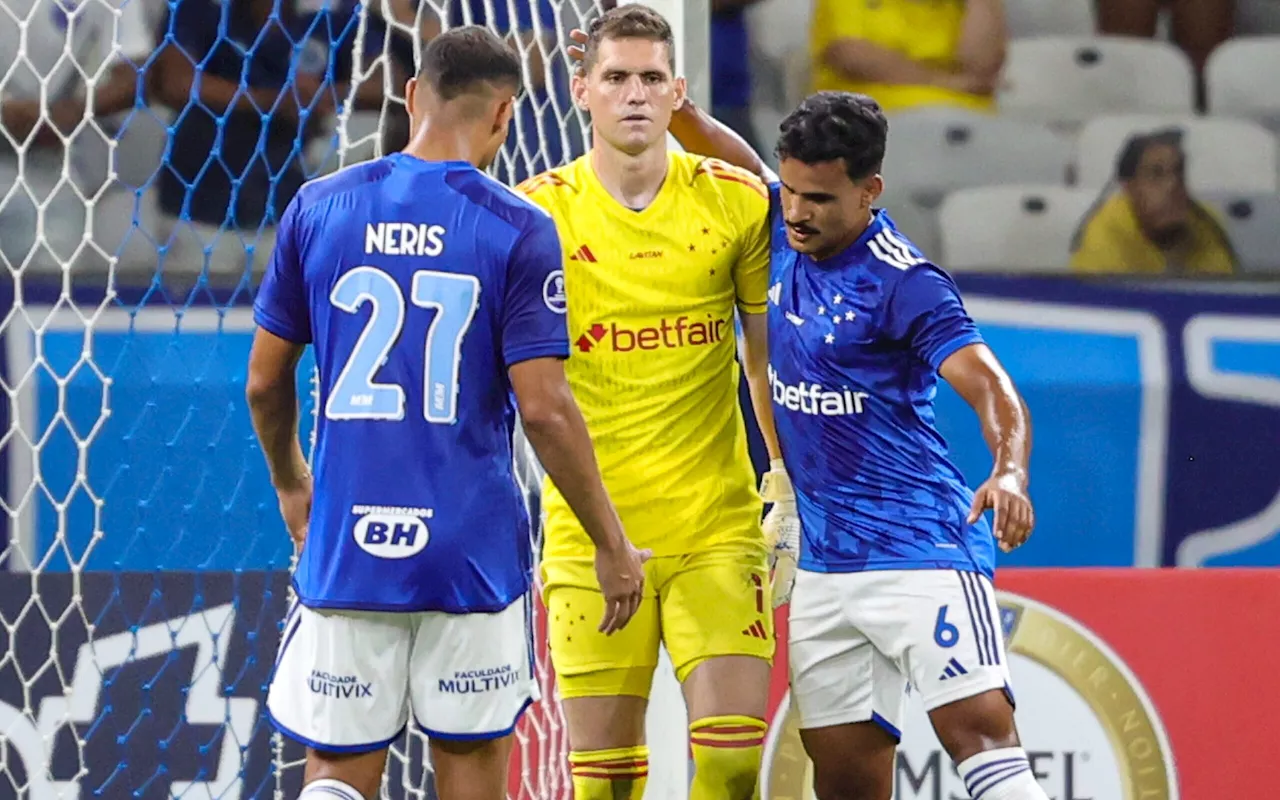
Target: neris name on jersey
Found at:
x=404, y=238
x=815, y=399
x=683, y=331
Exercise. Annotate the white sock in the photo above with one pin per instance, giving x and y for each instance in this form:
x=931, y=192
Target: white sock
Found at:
x=1003, y=774
x=329, y=789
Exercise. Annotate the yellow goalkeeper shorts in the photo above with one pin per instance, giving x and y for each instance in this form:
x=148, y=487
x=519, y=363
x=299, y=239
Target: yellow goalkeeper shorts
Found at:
x=700, y=605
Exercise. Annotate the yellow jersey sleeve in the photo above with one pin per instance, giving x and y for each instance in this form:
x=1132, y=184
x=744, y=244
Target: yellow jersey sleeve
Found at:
x=746, y=200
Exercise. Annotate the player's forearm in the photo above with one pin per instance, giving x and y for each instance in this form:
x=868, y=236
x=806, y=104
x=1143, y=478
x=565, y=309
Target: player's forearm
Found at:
x=762, y=405
x=861, y=60
x=1006, y=427
x=274, y=410
x=755, y=365
x=983, y=38
x=699, y=132
x=559, y=436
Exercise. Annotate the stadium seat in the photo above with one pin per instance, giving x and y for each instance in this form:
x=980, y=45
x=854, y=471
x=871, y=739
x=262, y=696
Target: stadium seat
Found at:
x=1253, y=223
x=1222, y=154
x=1241, y=78
x=1064, y=80
x=1011, y=228
x=1049, y=18
x=919, y=224
x=933, y=151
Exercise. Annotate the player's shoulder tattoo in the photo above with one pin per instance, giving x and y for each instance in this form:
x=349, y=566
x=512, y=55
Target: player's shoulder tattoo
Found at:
x=724, y=171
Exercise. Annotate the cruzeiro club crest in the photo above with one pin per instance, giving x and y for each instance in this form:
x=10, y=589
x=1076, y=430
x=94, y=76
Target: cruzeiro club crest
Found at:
x=1089, y=728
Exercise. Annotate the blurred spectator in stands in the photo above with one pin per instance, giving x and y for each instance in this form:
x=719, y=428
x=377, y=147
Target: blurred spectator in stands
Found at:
x=1197, y=26
x=252, y=81
x=52, y=92
x=537, y=141
x=1150, y=223
x=731, y=68
x=910, y=53
x=1257, y=18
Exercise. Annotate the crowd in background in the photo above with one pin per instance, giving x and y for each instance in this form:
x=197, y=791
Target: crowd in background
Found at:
x=1129, y=136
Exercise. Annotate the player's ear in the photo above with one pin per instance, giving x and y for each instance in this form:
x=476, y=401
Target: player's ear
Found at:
x=410, y=96
x=682, y=92
x=505, y=112
x=874, y=188
x=578, y=88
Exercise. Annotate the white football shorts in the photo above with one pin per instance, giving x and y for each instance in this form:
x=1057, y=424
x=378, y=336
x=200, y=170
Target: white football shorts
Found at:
x=859, y=639
x=350, y=681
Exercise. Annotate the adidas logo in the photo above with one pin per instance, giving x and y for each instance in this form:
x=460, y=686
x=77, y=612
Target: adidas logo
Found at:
x=775, y=294
x=583, y=254
x=756, y=629
x=953, y=670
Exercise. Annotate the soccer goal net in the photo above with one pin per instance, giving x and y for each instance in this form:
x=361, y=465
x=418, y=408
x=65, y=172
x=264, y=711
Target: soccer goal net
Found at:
x=143, y=566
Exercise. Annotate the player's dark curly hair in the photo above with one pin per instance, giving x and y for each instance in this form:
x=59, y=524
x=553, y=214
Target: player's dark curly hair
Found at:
x=833, y=125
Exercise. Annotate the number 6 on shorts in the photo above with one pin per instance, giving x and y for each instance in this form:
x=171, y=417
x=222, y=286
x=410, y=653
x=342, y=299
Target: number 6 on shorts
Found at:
x=944, y=633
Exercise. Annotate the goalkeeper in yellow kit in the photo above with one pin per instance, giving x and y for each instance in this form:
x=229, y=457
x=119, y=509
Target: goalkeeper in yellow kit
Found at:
x=661, y=248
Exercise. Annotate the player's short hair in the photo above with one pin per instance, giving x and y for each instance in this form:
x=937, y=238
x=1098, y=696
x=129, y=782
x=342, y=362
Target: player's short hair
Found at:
x=633, y=21
x=836, y=125
x=467, y=59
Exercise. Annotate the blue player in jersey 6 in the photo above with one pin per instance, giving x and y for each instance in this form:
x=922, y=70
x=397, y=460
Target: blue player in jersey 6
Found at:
x=892, y=586
x=432, y=295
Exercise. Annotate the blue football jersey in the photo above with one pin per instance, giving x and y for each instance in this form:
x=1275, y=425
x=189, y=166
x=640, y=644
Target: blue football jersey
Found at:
x=418, y=284
x=855, y=342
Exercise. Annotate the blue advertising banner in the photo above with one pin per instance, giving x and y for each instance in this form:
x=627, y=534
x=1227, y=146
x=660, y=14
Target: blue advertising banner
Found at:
x=1156, y=409
x=152, y=686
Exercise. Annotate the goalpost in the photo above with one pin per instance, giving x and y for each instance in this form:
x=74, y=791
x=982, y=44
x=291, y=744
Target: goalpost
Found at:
x=143, y=567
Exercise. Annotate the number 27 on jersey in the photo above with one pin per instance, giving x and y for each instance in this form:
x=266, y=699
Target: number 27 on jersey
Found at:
x=356, y=394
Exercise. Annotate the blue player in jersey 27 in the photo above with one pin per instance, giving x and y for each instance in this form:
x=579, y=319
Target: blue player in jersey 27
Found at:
x=893, y=581
x=432, y=294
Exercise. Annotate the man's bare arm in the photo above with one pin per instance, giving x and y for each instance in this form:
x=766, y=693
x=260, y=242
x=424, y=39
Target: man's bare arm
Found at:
x=177, y=77
x=984, y=38
x=119, y=92
x=860, y=60
x=755, y=363
x=978, y=377
x=699, y=132
x=555, y=427
x=272, y=393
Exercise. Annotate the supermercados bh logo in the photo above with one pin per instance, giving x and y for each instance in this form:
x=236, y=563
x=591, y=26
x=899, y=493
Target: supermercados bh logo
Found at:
x=1089, y=728
x=666, y=333
x=391, y=531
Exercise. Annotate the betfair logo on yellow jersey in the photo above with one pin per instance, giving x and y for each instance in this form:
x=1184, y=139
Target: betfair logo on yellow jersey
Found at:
x=680, y=332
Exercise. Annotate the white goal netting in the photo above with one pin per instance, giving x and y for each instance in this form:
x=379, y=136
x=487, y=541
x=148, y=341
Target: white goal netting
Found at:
x=146, y=149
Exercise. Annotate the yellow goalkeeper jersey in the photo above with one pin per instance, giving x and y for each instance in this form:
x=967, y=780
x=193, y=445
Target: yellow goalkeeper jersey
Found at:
x=651, y=299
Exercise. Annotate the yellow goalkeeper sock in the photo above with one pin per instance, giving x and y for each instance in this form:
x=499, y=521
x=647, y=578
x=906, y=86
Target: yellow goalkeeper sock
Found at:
x=618, y=774
x=726, y=757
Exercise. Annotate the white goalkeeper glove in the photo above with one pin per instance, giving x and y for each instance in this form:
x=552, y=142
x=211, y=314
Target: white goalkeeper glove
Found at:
x=781, y=530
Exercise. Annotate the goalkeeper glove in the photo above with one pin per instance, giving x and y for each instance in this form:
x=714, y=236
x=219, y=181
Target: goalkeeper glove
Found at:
x=781, y=530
